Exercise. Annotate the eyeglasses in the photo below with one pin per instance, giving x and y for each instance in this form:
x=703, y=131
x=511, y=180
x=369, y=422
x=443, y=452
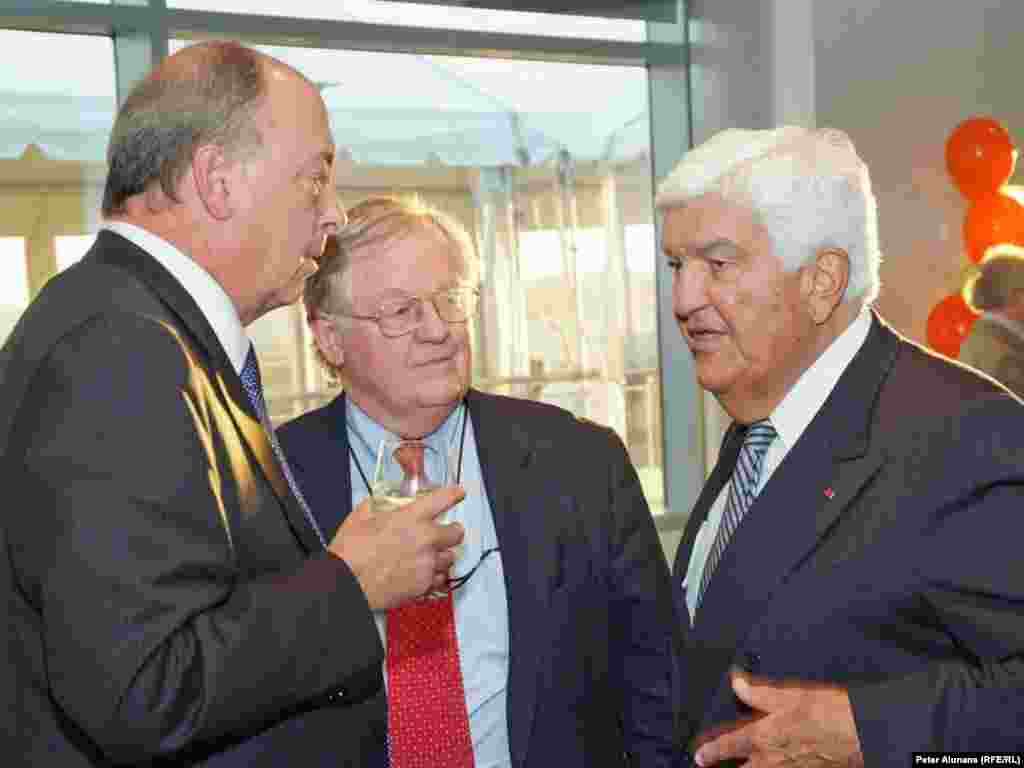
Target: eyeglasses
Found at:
x=397, y=317
x=454, y=582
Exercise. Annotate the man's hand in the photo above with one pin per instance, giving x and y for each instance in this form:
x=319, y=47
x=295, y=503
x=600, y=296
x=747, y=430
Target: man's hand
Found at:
x=402, y=554
x=795, y=724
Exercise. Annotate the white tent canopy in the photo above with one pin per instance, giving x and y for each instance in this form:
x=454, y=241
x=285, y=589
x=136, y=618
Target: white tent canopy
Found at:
x=385, y=108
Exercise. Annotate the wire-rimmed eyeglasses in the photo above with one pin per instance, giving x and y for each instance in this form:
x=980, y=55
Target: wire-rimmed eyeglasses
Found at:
x=399, y=316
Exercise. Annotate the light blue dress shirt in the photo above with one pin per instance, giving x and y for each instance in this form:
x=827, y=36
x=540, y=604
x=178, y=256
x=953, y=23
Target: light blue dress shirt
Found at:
x=481, y=607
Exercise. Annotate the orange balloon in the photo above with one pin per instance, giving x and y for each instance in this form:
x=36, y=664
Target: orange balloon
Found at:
x=990, y=221
x=980, y=156
x=949, y=322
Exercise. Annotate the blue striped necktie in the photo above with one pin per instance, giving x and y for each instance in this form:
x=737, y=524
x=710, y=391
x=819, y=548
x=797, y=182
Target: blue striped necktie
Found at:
x=253, y=385
x=742, y=490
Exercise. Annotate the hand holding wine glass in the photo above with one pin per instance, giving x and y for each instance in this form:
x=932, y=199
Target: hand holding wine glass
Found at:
x=396, y=555
x=406, y=469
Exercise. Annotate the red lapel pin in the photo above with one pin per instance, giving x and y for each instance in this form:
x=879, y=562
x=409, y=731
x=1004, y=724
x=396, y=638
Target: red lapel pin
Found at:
x=829, y=493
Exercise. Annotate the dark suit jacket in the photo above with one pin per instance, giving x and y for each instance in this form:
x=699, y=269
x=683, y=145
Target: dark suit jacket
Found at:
x=590, y=610
x=884, y=555
x=165, y=596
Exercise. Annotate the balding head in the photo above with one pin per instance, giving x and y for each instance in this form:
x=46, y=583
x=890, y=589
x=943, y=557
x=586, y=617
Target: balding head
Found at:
x=207, y=93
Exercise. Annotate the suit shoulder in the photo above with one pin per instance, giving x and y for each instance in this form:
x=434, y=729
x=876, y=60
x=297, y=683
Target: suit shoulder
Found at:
x=547, y=420
x=311, y=424
x=927, y=384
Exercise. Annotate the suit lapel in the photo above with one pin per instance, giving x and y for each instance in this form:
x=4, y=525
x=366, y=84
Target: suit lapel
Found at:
x=116, y=251
x=813, y=486
x=508, y=463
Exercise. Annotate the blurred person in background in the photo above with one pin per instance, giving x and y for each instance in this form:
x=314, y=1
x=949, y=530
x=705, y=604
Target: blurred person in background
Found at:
x=995, y=344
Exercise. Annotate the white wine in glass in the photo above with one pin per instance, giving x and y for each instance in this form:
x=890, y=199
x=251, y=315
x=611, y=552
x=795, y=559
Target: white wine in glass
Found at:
x=406, y=469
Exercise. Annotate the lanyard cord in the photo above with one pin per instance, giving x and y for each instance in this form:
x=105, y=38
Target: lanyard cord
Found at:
x=359, y=467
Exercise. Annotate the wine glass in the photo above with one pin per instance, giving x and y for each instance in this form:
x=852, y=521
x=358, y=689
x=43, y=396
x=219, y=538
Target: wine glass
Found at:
x=406, y=469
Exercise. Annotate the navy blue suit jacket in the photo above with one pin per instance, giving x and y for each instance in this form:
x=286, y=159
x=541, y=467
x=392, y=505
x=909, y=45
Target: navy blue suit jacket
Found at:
x=591, y=623
x=883, y=554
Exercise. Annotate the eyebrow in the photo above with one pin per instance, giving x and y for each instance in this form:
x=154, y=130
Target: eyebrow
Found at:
x=707, y=247
x=702, y=250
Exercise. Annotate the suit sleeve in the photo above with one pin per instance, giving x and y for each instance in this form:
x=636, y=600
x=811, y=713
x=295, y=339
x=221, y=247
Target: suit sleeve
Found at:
x=644, y=628
x=155, y=640
x=970, y=567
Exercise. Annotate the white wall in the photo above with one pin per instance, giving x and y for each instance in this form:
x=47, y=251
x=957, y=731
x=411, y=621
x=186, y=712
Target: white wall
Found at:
x=898, y=77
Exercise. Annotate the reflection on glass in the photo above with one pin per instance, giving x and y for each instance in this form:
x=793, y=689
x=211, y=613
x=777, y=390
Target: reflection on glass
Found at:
x=65, y=112
x=433, y=16
x=54, y=124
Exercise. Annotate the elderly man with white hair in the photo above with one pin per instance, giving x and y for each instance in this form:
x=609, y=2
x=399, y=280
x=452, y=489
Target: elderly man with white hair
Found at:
x=849, y=577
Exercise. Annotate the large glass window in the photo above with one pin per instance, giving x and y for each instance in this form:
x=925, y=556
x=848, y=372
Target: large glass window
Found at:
x=53, y=135
x=546, y=162
x=438, y=16
x=547, y=165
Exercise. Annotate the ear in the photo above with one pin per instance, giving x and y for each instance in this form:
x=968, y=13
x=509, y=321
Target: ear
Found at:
x=212, y=174
x=328, y=340
x=825, y=280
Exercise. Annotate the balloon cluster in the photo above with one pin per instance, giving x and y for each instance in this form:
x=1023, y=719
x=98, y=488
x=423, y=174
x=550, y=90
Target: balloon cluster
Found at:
x=980, y=158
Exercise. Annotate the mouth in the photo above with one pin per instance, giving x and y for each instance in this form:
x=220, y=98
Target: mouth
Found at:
x=703, y=339
x=435, y=361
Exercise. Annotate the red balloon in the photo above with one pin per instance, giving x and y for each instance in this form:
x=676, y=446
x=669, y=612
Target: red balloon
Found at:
x=980, y=156
x=949, y=322
x=990, y=221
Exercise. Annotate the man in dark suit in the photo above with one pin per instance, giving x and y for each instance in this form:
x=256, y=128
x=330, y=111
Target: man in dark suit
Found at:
x=560, y=597
x=850, y=575
x=169, y=599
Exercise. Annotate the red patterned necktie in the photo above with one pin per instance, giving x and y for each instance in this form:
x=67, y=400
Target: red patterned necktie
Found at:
x=428, y=725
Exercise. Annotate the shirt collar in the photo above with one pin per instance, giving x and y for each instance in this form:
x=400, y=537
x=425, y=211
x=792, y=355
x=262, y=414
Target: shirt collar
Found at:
x=796, y=410
x=213, y=302
x=1017, y=329
x=369, y=433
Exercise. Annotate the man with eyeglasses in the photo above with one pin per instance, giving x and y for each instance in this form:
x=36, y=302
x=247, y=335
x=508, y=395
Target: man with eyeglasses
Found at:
x=558, y=612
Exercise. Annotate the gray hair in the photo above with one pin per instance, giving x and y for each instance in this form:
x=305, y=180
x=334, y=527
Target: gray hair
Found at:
x=374, y=220
x=207, y=93
x=1000, y=279
x=809, y=188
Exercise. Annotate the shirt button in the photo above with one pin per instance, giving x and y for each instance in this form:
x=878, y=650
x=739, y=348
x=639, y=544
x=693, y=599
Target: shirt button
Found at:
x=338, y=695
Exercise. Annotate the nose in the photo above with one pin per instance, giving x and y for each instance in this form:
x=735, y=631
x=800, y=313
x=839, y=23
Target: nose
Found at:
x=433, y=327
x=689, y=288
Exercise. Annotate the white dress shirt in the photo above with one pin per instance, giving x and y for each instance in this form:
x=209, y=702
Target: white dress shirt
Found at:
x=213, y=302
x=790, y=418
